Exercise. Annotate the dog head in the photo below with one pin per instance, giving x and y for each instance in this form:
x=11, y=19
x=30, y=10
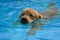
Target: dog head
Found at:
x=29, y=15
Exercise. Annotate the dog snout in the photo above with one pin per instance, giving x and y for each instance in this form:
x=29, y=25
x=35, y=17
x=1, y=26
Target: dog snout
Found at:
x=24, y=21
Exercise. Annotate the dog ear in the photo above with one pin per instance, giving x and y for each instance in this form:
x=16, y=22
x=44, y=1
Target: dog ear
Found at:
x=39, y=16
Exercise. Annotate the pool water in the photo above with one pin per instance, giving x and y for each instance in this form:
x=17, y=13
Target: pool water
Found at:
x=10, y=11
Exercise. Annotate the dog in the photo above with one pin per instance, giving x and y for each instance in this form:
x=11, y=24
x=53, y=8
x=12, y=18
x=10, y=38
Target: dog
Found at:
x=30, y=15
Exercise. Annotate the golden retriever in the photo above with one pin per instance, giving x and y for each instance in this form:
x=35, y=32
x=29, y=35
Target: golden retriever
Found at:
x=30, y=15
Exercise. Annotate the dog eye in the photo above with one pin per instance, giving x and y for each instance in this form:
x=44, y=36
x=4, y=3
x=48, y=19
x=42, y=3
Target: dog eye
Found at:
x=31, y=15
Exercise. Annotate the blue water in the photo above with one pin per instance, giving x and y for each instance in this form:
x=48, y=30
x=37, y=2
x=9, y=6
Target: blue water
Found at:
x=9, y=13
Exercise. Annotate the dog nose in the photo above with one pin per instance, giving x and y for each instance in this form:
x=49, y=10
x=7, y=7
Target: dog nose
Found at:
x=24, y=21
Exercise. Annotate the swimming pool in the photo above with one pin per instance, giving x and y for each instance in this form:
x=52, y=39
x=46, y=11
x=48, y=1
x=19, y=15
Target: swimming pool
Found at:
x=9, y=13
